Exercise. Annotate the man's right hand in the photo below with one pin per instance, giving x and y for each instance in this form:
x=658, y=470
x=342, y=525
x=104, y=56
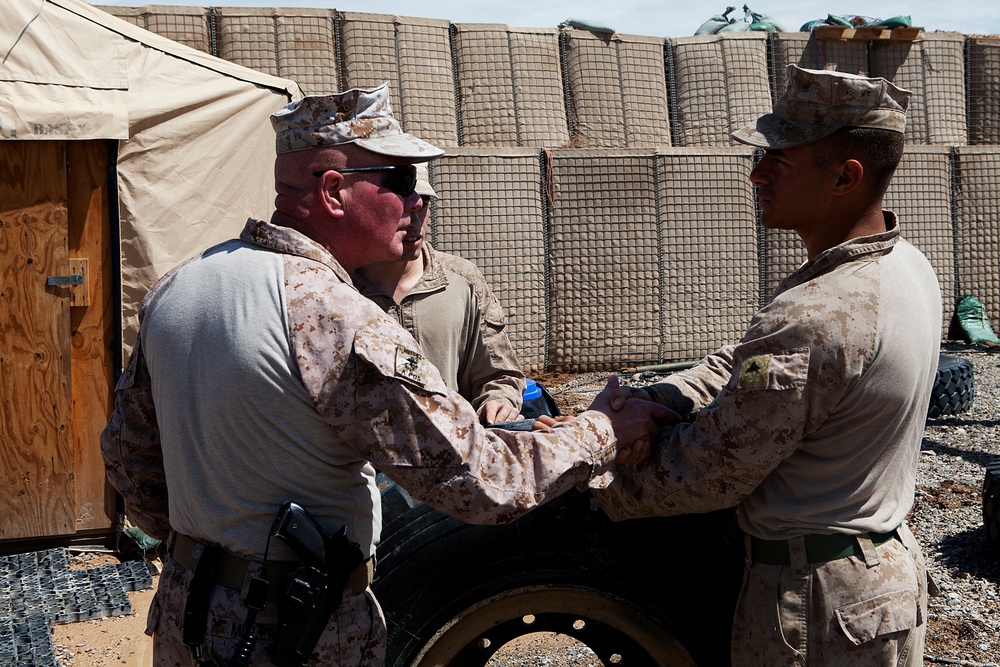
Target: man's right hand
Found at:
x=637, y=423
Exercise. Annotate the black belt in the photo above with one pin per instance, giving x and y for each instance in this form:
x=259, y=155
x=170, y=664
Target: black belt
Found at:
x=231, y=571
x=819, y=548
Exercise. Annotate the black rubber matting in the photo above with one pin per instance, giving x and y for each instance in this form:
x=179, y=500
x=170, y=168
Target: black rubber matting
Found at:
x=39, y=590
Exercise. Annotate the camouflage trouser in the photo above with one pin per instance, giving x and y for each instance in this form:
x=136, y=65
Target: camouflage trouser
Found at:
x=851, y=612
x=355, y=634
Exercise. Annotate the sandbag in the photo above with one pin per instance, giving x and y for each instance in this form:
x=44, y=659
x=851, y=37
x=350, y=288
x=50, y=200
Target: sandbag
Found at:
x=716, y=23
x=971, y=323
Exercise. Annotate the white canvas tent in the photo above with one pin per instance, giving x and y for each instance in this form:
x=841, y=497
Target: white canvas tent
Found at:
x=195, y=145
x=122, y=153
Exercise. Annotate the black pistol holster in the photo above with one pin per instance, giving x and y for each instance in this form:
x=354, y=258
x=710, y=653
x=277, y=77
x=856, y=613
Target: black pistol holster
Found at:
x=196, y=608
x=314, y=590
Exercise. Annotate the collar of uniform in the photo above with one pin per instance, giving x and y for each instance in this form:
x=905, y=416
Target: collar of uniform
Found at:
x=291, y=242
x=434, y=276
x=848, y=251
x=432, y=279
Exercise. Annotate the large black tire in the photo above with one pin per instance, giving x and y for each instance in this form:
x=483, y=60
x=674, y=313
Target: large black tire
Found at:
x=652, y=592
x=954, y=387
x=991, y=506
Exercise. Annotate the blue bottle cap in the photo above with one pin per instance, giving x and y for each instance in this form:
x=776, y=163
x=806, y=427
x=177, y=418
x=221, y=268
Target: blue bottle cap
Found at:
x=531, y=390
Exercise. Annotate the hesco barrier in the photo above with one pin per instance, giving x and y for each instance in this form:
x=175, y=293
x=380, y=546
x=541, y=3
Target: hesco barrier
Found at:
x=593, y=179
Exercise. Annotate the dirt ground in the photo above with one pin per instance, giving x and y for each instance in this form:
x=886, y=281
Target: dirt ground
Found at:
x=110, y=642
x=121, y=641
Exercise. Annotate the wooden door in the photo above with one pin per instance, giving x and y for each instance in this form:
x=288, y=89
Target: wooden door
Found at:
x=37, y=495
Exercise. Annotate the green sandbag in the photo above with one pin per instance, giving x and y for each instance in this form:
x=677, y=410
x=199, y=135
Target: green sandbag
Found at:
x=592, y=26
x=971, y=324
x=716, y=23
x=832, y=19
x=894, y=22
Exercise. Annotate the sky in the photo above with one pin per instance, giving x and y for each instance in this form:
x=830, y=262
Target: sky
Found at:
x=666, y=18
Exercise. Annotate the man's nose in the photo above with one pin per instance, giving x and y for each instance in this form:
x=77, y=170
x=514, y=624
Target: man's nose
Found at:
x=412, y=202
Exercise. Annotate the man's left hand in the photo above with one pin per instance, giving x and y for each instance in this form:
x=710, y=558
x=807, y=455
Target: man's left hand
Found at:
x=495, y=412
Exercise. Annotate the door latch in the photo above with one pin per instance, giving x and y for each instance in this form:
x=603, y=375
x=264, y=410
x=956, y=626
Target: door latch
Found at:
x=58, y=281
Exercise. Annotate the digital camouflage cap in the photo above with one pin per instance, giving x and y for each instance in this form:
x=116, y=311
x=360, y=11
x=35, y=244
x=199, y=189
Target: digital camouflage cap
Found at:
x=358, y=116
x=817, y=103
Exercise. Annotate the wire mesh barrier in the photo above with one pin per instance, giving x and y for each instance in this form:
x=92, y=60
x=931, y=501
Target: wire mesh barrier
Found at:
x=708, y=248
x=510, y=86
x=603, y=241
x=490, y=210
x=920, y=194
x=719, y=85
x=933, y=68
x=415, y=57
x=977, y=224
x=190, y=26
x=617, y=90
x=983, y=94
x=592, y=176
x=296, y=44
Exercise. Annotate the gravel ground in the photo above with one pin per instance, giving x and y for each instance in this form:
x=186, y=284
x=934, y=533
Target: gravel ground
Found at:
x=964, y=623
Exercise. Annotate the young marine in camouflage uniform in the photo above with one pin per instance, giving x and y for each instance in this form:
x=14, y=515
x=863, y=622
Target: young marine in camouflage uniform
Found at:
x=444, y=301
x=812, y=424
x=260, y=375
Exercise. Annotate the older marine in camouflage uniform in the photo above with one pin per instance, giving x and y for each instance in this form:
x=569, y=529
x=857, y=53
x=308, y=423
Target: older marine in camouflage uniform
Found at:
x=812, y=424
x=260, y=375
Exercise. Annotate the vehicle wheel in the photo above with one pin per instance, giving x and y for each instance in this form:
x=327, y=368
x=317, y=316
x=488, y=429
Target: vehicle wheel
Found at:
x=991, y=506
x=954, y=387
x=649, y=592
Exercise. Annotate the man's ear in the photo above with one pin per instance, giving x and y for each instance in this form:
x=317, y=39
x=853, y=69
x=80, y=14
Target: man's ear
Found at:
x=330, y=193
x=851, y=174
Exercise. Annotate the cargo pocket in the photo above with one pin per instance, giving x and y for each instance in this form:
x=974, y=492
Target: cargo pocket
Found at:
x=881, y=615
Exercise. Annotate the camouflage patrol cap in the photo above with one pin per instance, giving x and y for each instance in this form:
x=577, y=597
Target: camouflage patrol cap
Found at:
x=358, y=116
x=817, y=103
x=423, y=187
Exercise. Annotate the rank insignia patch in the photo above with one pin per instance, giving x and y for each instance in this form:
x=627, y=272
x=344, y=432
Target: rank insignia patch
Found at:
x=755, y=372
x=411, y=366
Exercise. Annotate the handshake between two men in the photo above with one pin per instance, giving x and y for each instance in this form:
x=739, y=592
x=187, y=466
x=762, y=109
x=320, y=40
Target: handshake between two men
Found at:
x=636, y=421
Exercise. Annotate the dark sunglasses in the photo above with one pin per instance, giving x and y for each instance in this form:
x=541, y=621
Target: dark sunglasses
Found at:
x=400, y=179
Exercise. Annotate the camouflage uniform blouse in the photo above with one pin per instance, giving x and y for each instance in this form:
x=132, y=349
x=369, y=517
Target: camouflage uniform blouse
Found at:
x=813, y=422
x=261, y=375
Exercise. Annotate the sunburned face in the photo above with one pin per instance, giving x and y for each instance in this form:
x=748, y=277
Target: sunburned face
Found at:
x=377, y=220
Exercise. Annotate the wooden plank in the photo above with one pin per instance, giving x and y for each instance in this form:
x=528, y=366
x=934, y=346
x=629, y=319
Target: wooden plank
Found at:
x=867, y=33
x=92, y=332
x=36, y=451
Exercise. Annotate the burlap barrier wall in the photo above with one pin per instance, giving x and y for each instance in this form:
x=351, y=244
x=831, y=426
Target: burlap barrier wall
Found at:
x=984, y=90
x=977, y=225
x=190, y=26
x=617, y=89
x=708, y=248
x=605, y=279
x=510, y=87
x=920, y=194
x=489, y=210
x=414, y=56
x=297, y=44
x=629, y=256
x=718, y=84
x=933, y=68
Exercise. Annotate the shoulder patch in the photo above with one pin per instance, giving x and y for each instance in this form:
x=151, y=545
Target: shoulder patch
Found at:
x=755, y=371
x=411, y=366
